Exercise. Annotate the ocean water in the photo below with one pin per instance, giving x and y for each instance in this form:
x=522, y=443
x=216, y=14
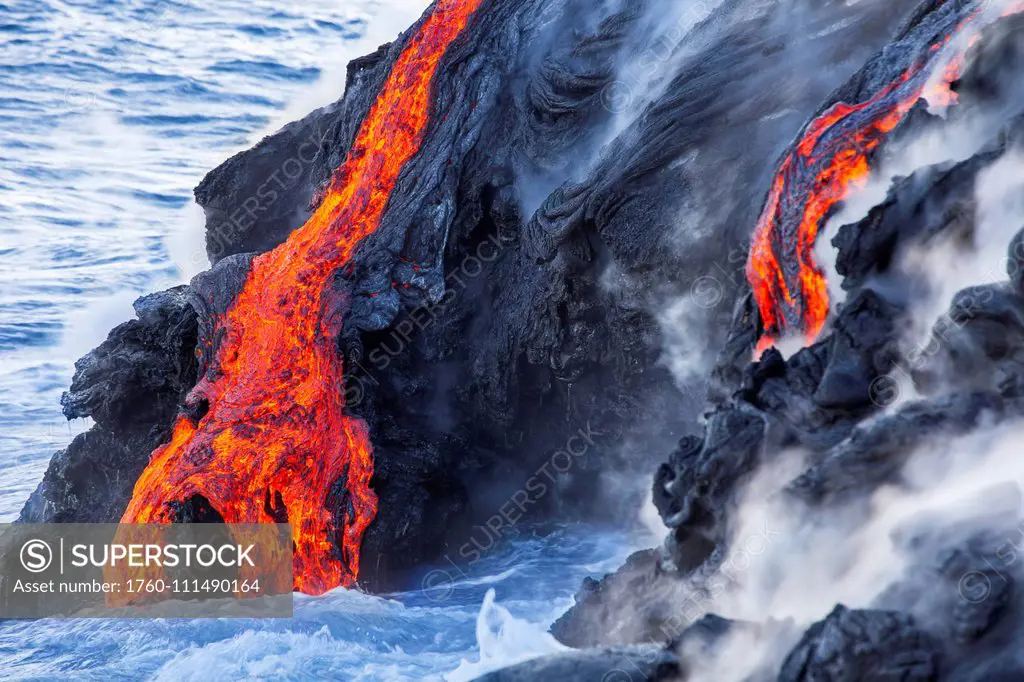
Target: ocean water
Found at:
x=465, y=622
x=111, y=111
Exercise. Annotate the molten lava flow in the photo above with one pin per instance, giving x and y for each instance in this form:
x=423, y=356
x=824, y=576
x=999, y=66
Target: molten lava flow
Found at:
x=275, y=443
x=829, y=160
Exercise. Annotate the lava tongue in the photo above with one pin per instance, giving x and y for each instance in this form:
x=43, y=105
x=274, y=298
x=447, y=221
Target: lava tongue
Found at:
x=821, y=169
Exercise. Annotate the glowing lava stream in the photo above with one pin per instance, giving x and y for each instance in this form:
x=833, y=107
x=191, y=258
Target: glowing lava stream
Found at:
x=275, y=443
x=829, y=160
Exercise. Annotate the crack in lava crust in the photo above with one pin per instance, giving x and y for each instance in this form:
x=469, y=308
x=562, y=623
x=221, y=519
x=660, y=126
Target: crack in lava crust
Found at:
x=829, y=161
x=276, y=442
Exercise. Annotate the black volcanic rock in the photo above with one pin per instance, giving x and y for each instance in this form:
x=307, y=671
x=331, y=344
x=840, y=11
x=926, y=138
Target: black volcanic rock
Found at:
x=132, y=386
x=249, y=209
x=695, y=493
x=875, y=453
x=629, y=606
x=621, y=664
x=151, y=355
x=978, y=344
x=962, y=590
x=506, y=313
x=863, y=646
x=816, y=397
x=992, y=76
x=505, y=310
x=955, y=614
x=860, y=353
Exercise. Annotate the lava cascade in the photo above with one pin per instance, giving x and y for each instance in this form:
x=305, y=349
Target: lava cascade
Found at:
x=830, y=160
x=275, y=443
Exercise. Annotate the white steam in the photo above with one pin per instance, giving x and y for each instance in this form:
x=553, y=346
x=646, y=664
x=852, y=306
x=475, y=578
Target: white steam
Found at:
x=683, y=322
x=952, y=142
x=948, y=267
x=807, y=568
x=643, y=76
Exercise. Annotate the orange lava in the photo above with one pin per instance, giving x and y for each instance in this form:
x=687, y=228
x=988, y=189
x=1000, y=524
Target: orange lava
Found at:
x=829, y=161
x=276, y=443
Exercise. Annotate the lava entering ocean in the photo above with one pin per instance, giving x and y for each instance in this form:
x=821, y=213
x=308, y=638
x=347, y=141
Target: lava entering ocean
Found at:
x=831, y=159
x=275, y=443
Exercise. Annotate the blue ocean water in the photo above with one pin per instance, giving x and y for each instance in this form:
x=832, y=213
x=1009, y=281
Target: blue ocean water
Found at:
x=465, y=622
x=111, y=111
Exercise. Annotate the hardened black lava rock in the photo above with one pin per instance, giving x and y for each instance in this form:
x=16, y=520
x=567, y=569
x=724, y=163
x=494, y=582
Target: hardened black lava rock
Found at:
x=621, y=664
x=695, y=492
x=863, y=646
x=842, y=403
x=960, y=588
x=875, y=453
x=132, y=386
x=978, y=344
x=631, y=606
x=506, y=313
x=992, y=77
x=569, y=186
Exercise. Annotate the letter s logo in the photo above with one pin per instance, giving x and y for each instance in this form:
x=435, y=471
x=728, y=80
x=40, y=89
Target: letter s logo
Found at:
x=36, y=556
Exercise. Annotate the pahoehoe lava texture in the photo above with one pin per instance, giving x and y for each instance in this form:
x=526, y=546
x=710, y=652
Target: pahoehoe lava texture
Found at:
x=509, y=301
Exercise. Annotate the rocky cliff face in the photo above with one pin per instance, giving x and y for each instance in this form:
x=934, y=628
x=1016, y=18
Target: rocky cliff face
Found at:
x=586, y=168
x=569, y=187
